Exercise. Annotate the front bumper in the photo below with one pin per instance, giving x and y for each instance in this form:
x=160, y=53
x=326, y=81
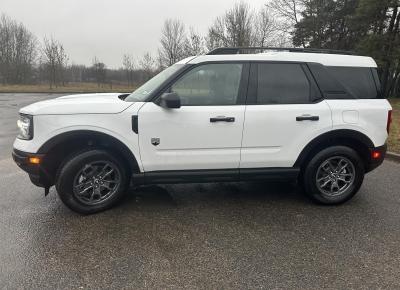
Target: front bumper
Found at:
x=37, y=172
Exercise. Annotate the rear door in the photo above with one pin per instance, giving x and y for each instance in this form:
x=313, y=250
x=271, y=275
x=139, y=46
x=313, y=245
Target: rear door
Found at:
x=206, y=132
x=283, y=114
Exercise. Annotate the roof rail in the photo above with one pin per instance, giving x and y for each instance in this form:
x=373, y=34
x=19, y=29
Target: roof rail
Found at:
x=247, y=50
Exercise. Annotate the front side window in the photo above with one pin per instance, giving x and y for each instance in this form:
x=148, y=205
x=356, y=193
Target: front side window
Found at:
x=282, y=83
x=210, y=85
x=143, y=92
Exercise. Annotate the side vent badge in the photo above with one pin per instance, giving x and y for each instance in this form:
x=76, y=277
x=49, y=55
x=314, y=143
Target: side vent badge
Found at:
x=155, y=141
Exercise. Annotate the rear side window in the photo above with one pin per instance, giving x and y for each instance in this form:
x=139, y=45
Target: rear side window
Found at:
x=282, y=83
x=358, y=81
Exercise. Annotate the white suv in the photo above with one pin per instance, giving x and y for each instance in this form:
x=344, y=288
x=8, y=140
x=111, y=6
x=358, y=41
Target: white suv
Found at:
x=234, y=114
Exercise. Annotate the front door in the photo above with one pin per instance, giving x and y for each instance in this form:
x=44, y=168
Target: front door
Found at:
x=206, y=132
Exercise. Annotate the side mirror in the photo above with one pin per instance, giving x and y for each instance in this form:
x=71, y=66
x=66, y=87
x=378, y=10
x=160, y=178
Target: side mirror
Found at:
x=170, y=101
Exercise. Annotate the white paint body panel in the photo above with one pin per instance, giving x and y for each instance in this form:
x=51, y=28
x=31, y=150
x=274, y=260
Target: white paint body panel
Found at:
x=188, y=140
x=79, y=104
x=273, y=138
x=368, y=116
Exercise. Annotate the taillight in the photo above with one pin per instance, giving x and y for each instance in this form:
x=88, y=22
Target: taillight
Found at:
x=376, y=154
x=389, y=121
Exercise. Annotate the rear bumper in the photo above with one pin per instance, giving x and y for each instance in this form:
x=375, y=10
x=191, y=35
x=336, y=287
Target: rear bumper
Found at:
x=375, y=162
x=37, y=173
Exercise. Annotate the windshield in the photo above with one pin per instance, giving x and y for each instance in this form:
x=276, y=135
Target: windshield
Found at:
x=141, y=93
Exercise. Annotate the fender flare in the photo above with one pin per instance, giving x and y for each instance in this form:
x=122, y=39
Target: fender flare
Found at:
x=118, y=145
x=332, y=136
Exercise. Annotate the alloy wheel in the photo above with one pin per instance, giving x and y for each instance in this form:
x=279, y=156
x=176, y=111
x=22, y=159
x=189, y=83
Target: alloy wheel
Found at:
x=96, y=182
x=335, y=175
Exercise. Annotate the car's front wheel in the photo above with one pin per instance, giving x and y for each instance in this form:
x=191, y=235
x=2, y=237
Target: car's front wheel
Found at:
x=334, y=175
x=91, y=181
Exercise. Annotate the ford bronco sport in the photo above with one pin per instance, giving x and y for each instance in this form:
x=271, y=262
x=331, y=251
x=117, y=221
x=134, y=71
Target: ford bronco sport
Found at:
x=235, y=114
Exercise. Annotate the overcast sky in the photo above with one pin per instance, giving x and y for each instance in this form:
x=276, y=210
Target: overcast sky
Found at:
x=109, y=28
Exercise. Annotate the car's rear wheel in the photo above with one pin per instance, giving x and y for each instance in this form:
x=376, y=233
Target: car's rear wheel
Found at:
x=91, y=181
x=334, y=175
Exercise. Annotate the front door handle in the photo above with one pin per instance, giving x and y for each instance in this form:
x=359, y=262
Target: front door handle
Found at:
x=307, y=118
x=222, y=119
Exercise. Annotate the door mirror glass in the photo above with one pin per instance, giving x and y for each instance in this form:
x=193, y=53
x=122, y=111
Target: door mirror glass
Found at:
x=170, y=101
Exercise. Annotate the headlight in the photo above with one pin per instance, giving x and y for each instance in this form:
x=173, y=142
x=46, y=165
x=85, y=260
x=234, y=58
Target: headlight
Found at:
x=25, y=126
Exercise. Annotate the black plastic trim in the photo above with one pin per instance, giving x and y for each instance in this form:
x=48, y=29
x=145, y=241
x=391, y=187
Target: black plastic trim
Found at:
x=135, y=124
x=214, y=175
x=37, y=173
x=341, y=134
x=242, y=50
x=63, y=138
x=374, y=163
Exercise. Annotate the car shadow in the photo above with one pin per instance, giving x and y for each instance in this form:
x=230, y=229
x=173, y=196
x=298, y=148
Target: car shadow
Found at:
x=172, y=196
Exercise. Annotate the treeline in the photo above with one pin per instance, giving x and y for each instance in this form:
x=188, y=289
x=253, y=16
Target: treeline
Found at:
x=367, y=27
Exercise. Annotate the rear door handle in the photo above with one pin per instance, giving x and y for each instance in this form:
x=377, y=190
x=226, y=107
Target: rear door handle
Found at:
x=222, y=119
x=307, y=118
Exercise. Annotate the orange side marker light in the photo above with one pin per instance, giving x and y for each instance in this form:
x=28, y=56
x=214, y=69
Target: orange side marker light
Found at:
x=34, y=160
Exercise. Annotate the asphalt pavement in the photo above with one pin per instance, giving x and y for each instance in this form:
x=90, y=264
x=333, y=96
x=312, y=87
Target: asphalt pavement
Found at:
x=197, y=236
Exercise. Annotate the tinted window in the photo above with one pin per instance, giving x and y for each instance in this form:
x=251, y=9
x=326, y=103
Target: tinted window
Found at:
x=210, y=84
x=282, y=84
x=358, y=81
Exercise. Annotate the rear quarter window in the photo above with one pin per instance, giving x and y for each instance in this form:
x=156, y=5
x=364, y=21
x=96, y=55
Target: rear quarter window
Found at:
x=358, y=81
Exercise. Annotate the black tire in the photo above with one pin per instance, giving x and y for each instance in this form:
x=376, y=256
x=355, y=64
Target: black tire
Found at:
x=354, y=173
x=73, y=170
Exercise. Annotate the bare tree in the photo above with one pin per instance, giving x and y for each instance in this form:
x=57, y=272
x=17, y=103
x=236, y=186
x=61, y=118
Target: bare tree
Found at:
x=147, y=64
x=265, y=27
x=55, y=61
x=172, y=42
x=99, y=71
x=232, y=29
x=18, y=51
x=62, y=63
x=194, y=43
x=289, y=14
x=129, y=65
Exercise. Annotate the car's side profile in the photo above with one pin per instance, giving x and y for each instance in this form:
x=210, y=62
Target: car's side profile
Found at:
x=226, y=116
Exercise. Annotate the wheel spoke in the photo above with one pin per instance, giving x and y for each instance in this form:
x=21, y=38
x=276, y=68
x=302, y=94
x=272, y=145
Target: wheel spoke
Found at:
x=331, y=167
x=107, y=173
x=322, y=178
x=341, y=168
x=106, y=185
x=83, y=187
x=325, y=183
x=344, y=180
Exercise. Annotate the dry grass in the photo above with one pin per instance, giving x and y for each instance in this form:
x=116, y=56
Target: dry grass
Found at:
x=69, y=88
x=394, y=137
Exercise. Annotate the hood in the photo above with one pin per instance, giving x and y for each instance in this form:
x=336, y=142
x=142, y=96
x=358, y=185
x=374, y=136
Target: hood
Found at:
x=79, y=104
